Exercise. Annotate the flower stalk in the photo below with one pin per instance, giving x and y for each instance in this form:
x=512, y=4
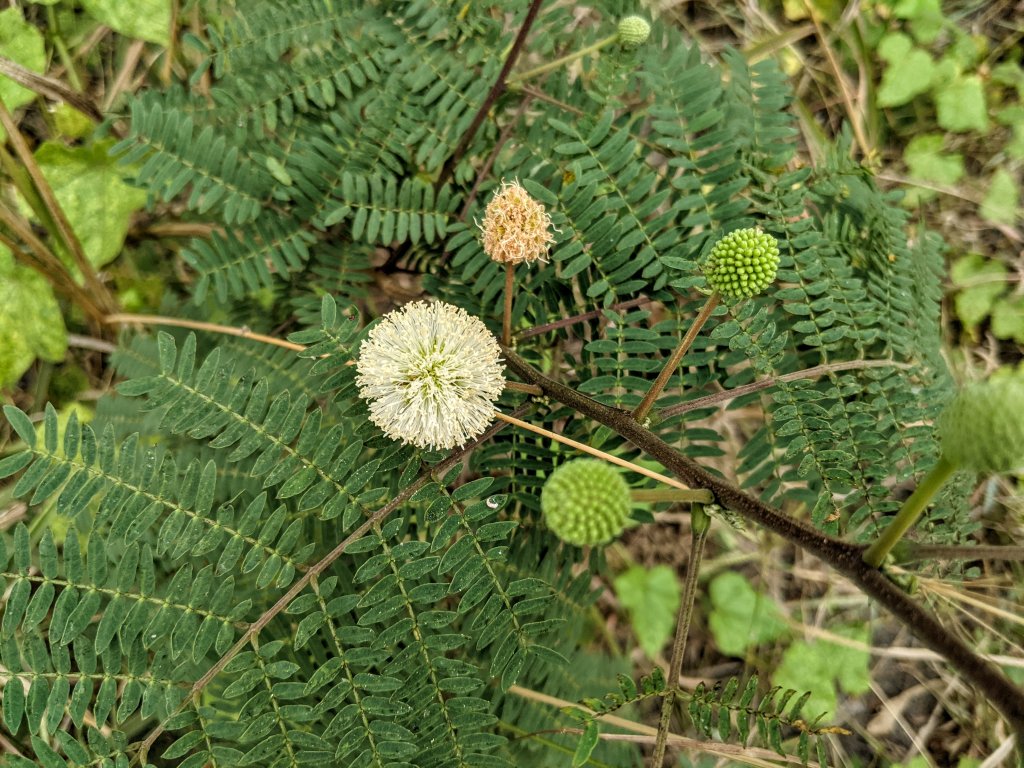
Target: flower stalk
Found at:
x=700, y=524
x=563, y=60
x=506, y=320
x=641, y=411
x=910, y=511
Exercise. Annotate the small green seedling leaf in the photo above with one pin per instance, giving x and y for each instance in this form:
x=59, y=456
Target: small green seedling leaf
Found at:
x=652, y=598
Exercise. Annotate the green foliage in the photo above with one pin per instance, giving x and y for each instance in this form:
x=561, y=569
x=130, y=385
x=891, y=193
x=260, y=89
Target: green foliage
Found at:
x=730, y=709
x=91, y=191
x=940, y=64
x=30, y=320
x=820, y=666
x=740, y=617
x=651, y=596
x=23, y=43
x=221, y=475
x=146, y=19
x=983, y=293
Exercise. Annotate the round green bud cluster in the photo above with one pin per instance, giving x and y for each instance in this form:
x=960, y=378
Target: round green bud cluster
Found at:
x=585, y=501
x=742, y=264
x=634, y=31
x=982, y=428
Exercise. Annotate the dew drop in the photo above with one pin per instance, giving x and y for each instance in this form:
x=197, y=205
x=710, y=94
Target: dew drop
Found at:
x=496, y=502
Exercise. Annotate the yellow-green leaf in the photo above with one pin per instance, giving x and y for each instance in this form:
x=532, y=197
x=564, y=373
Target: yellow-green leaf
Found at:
x=652, y=598
x=90, y=188
x=1001, y=203
x=145, y=19
x=23, y=43
x=31, y=324
x=960, y=105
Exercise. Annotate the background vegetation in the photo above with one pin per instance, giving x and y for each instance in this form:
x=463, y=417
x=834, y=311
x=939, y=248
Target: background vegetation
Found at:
x=929, y=96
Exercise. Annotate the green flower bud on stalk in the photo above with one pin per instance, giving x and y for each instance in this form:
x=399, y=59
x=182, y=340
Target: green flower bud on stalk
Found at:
x=586, y=502
x=634, y=31
x=982, y=430
x=742, y=264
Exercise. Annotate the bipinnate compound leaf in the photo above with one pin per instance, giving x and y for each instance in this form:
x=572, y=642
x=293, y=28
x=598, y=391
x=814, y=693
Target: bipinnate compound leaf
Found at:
x=145, y=19
x=651, y=595
x=908, y=73
x=824, y=667
x=22, y=42
x=91, y=190
x=31, y=324
x=740, y=616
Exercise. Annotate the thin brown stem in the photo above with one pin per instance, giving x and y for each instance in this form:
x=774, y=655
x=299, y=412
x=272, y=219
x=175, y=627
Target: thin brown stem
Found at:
x=908, y=552
x=506, y=320
x=125, y=318
x=257, y=626
x=646, y=734
x=700, y=525
x=45, y=262
x=496, y=90
x=641, y=411
x=49, y=87
x=756, y=386
x=485, y=170
x=64, y=232
x=565, y=322
x=518, y=386
x=592, y=451
x=855, y=116
x=844, y=557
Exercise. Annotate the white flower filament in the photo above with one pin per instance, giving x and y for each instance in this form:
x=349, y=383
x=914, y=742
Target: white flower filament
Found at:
x=431, y=373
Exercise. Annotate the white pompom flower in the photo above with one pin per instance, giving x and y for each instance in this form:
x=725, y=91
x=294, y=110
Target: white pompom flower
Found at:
x=431, y=373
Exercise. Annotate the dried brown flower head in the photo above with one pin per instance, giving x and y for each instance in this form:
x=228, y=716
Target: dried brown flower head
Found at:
x=516, y=228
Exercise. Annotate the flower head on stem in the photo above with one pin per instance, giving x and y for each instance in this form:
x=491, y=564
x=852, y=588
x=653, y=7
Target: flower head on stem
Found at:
x=431, y=374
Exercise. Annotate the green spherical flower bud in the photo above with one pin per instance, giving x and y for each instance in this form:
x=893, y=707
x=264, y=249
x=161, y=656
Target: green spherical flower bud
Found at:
x=982, y=428
x=585, y=501
x=634, y=31
x=742, y=264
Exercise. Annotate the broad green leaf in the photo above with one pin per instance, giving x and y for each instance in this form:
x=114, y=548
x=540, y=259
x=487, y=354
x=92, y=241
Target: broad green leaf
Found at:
x=70, y=122
x=1002, y=200
x=652, y=598
x=925, y=17
x=909, y=71
x=927, y=162
x=981, y=282
x=820, y=666
x=960, y=105
x=31, y=324
x=741, y=617
x=22, y=42
x=91, y=190
x=1008, y=319
x=1013, y=117
x=145, y=19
